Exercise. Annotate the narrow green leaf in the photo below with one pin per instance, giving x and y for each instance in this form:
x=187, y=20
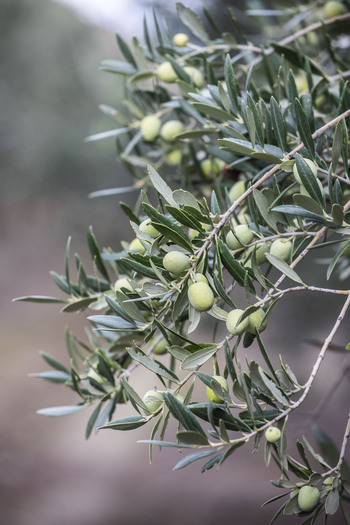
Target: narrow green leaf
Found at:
x=182, y=414
x=96, y=254
x=300, y=212
x=310, y=182
x=113, y=322
x=167, y=227
x=126, y=423
x=284, y=268
x=39, y=299
x=193, y=457
x=237, y=271
x=278, y=124
x=263, y=207
x=161, y=186
x=60, y=411
x=273, y=388
x=242, y=147
x=53, y=376
x=198, y=358
x=52, y=362
x=92, y=420
x=191, y=20
x=139, y=356
x=118, y=66
x=304, y=127
x=336, y=258
x=189, y=437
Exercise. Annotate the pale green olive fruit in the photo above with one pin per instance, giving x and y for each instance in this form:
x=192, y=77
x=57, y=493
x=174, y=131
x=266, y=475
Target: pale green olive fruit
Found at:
x=211, y=394
x=137, y=246
x=333, y=8
x=311, y=164
x=161, y=347
x=312, y=38
x=170, y=129
x=196, y=76
x=236, y=190
x=146, y=227
x=153, y=400
x=166, y=73
x=201, y=296
x=173, y=157
x=272, y=434
x=198, y=277
x=176, y=262
x=240, y=236
x=231, y=322
x=281, y=248
x=261, y=251
x=301, y=83
x=150, y=127
x=211, y=167
x=180, y=39
x=257, y=321
x=308, y=498
x=122, y=282
x=192, y=233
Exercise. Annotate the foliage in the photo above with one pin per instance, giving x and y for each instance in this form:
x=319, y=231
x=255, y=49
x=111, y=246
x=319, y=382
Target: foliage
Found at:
x=241, y=133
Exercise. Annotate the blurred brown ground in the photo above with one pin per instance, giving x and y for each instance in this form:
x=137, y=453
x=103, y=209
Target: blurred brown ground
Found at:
x=49, y=474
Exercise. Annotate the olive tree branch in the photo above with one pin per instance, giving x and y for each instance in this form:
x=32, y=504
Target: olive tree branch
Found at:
x=342, y=450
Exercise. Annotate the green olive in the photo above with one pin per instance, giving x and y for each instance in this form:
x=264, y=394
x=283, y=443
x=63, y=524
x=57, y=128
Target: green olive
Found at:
x=232, y=320
x=257, y=321
x=198, y=277
x=173, y=157
x=240, y=236
x=211, y=167
x=137, y=246
x=236, y=190
x=211, y=394
x=123, y=282
x=166, y=73
x=281, y=248
x=180, y=39
x=153, y=400
x=146, y=227
x=201, y=296
x=272, y=434
x=150, y=127
x=176, y=262
x=170, y=129
x=196, y=76
x=333, y=8
x=308, y=498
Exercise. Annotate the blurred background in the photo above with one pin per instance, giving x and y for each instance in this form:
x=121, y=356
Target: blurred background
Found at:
x=50, y=89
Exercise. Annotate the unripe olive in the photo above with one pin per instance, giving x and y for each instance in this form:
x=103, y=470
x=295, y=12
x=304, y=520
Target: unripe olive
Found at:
x=167, y=73
x=173, y=158
x=146, y=227
x=211, y=167
x=272, y=434
x=333, y=8
x=257, y=321
x=231, y=322
x=160, y=347
x=176, y=262
x=137, y=246
x=153, y=399
x=180, y=39
x=201, y=296
x=199, y=277
x=281, y=248
x=240, y=236
x=211, y=394
x=123, y=282
x=170, y=129
x=196, y=76
x=311, y=164
x=301, y=83
x=261, y=251
x=308, y=498
x=236, y=190
x=150, y=127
